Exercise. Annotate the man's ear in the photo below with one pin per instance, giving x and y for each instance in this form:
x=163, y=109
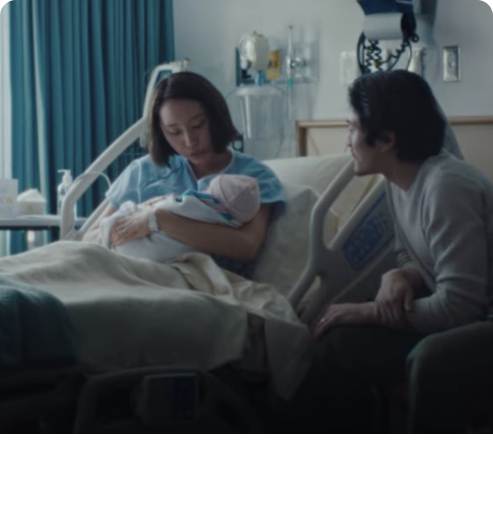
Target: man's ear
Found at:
x=386, y=142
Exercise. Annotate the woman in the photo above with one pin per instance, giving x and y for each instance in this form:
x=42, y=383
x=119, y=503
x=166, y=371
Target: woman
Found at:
x=190, y=129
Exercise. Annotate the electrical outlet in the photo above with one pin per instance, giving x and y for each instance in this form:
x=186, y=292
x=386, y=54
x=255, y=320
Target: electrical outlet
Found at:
x=349, y=67
x=451, y=64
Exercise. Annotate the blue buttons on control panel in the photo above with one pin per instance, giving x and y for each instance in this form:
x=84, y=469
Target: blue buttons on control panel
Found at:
x=372, y=234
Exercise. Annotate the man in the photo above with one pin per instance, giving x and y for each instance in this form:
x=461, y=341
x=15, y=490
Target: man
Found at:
x=443, y=214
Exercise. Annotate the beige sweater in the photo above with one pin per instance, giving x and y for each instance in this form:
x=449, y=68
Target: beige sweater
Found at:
x=444, y=230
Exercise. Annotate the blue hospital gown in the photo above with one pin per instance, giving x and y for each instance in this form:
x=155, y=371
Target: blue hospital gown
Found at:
x=142, y=180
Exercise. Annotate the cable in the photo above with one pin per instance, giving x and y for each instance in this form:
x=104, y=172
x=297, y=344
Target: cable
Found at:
x=371, y=54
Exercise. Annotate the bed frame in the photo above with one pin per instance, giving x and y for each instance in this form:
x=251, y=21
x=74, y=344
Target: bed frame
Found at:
x=474, y=134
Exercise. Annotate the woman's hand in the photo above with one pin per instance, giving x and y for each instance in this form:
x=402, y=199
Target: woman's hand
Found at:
x=93, y=233
x=134, y=226
x=365, y=313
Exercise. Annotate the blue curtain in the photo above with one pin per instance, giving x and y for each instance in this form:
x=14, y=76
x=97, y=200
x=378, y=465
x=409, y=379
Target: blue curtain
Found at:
x=79, y=71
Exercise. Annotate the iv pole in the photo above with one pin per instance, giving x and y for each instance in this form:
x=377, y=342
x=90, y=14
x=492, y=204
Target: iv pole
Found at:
x=290, y=143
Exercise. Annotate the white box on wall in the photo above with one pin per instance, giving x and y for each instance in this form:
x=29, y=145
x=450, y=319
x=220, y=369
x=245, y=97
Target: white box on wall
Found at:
x=8, y=197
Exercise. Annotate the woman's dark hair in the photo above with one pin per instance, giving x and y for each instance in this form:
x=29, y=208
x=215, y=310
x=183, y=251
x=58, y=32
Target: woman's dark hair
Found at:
x=194, y=87
x=400, y=102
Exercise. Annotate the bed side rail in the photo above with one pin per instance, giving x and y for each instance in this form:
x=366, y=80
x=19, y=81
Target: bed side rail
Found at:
x=86, y=179
x=318, y=253
x=345, y=273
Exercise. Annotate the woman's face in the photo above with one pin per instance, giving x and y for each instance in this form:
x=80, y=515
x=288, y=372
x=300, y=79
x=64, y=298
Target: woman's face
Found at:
x=186, y=127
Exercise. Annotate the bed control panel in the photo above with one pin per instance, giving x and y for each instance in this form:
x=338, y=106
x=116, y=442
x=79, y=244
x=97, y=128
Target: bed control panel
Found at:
x=374, y=232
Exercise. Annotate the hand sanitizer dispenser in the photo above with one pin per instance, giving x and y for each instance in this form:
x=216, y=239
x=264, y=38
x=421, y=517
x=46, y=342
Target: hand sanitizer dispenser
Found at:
x=63, y=188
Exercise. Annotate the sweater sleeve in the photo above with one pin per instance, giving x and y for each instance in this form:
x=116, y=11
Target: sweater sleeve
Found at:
x=454, y=228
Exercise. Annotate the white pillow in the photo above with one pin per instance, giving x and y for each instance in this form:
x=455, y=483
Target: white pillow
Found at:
x=285, y=251
x=284, y=254
x=314, y=171
x=318, y=172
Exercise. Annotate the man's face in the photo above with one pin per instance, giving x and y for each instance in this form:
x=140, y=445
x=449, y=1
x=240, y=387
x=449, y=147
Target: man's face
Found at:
x=367, y=159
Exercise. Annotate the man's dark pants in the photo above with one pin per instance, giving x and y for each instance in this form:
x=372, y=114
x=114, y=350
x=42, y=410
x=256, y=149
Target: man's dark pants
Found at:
x=445, y=372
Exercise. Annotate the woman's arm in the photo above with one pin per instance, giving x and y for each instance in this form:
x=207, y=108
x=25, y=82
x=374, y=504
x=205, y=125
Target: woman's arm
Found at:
x=237, y=243
x=93, y=235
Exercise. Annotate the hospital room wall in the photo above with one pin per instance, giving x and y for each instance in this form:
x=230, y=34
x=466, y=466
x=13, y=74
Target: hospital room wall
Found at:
x=207, y=33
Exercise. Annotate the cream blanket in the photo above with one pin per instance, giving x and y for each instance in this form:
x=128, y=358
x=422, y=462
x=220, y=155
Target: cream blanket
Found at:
x=130, y=312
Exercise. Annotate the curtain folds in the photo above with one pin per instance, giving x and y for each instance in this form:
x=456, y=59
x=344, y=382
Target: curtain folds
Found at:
x=78, y=73
x=5, y=109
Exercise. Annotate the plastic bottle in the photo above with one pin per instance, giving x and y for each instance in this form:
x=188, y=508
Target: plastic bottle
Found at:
x=63, y=188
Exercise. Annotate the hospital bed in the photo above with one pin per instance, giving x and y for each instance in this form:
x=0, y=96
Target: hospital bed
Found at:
x=332, y=243
x=305, y=246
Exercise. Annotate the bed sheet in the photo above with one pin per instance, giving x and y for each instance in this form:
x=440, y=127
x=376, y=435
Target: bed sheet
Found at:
x=130, y=312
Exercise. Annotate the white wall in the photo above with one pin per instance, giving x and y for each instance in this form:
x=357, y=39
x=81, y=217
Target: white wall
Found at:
x=469, y=24
x=207, y=32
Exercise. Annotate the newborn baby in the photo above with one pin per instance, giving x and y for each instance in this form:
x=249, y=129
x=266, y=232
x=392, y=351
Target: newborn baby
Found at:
x=230, y=200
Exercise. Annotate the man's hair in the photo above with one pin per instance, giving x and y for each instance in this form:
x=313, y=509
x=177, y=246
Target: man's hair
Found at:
x=400, y=102
x=193, y=87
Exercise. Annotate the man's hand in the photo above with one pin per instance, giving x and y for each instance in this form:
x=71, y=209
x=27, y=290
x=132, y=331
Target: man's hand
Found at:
x=396, y=289
x=395, y=298
x=365, y=313
x=132, y=227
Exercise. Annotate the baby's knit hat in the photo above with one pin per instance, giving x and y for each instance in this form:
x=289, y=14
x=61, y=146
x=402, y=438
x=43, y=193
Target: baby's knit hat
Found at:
x=239, y=194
